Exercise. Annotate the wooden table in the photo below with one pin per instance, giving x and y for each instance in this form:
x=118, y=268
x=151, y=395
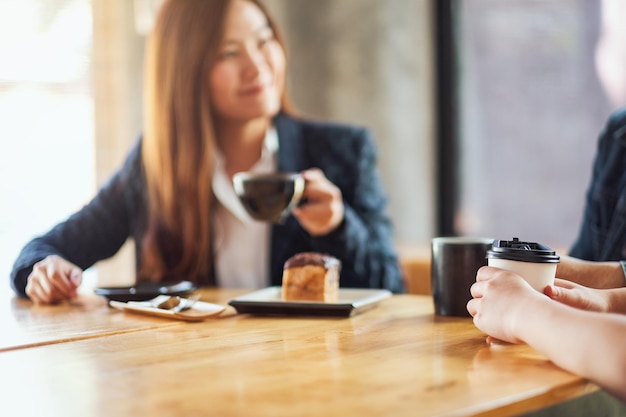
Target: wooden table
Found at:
x=395, y=360
x=24, y=324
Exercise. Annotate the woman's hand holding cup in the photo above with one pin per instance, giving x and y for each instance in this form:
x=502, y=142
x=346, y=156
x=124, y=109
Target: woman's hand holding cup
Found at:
x=499, y=302
x=518, y=272
x=322, y=210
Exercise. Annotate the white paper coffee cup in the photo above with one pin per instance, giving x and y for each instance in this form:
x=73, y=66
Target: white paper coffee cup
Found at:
x=534, y=262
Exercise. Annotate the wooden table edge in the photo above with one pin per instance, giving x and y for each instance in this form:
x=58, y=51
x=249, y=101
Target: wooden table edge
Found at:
x=543, y=400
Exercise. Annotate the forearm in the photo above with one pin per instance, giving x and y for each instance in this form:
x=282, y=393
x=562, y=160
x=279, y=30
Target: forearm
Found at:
x=555, y=330
x=617, y=300
x=591, y=274
x=369, y=257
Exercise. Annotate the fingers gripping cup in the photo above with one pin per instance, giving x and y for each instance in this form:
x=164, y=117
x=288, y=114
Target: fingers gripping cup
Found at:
x=536, y=263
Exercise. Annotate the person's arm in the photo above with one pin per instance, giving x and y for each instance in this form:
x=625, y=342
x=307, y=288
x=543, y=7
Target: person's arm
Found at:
x=95, y=232
x=363, y=240
x=555, y=330
x=591, y=274
x=507, y=308
x=602, y=232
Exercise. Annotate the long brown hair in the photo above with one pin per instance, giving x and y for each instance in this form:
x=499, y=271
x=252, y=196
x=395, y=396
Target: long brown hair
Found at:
x=179, y=142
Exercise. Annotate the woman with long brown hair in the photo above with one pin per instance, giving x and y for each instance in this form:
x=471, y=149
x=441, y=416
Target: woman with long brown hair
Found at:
x=215, y=104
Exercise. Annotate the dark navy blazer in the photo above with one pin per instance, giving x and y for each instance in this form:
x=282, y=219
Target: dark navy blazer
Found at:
x=346, y=155
x=602, y=235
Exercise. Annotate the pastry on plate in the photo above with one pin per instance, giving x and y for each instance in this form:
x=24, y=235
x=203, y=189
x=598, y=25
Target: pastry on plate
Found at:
x=311, y=276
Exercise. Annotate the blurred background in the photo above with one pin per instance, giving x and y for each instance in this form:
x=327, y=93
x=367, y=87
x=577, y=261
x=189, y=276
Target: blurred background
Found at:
x=486, y=113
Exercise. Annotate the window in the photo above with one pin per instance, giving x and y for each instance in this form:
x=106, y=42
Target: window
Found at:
x=533, y=93
x=46, y=117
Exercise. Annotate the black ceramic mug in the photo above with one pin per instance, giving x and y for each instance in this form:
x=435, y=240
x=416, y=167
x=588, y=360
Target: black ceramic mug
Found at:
x=454, y=263
x=269, y=197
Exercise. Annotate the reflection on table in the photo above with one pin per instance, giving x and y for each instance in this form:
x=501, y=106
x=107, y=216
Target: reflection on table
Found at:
x=397, y=359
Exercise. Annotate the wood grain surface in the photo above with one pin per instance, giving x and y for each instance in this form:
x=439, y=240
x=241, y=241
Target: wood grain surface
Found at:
x=397, y=359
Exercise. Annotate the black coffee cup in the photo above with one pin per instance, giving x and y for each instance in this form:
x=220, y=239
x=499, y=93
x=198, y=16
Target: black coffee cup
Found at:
x=269, y=197
x=454, y=263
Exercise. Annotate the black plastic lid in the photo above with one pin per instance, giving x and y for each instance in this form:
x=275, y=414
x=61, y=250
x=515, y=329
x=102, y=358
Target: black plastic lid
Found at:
x=516, y=250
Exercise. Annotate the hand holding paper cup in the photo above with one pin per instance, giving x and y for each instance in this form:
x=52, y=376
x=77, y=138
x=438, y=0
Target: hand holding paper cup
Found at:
x=534, y=262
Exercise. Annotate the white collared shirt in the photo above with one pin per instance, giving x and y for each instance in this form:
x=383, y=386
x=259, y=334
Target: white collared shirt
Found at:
x=241, y=244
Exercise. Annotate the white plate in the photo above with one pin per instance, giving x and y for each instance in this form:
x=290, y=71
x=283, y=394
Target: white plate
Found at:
x=200, y=310
x=268, y=301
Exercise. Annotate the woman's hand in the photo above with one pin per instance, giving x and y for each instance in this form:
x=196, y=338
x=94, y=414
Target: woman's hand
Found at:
x=53, y=280
x=323, y=211
x=500, y=299
x=578, y=296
